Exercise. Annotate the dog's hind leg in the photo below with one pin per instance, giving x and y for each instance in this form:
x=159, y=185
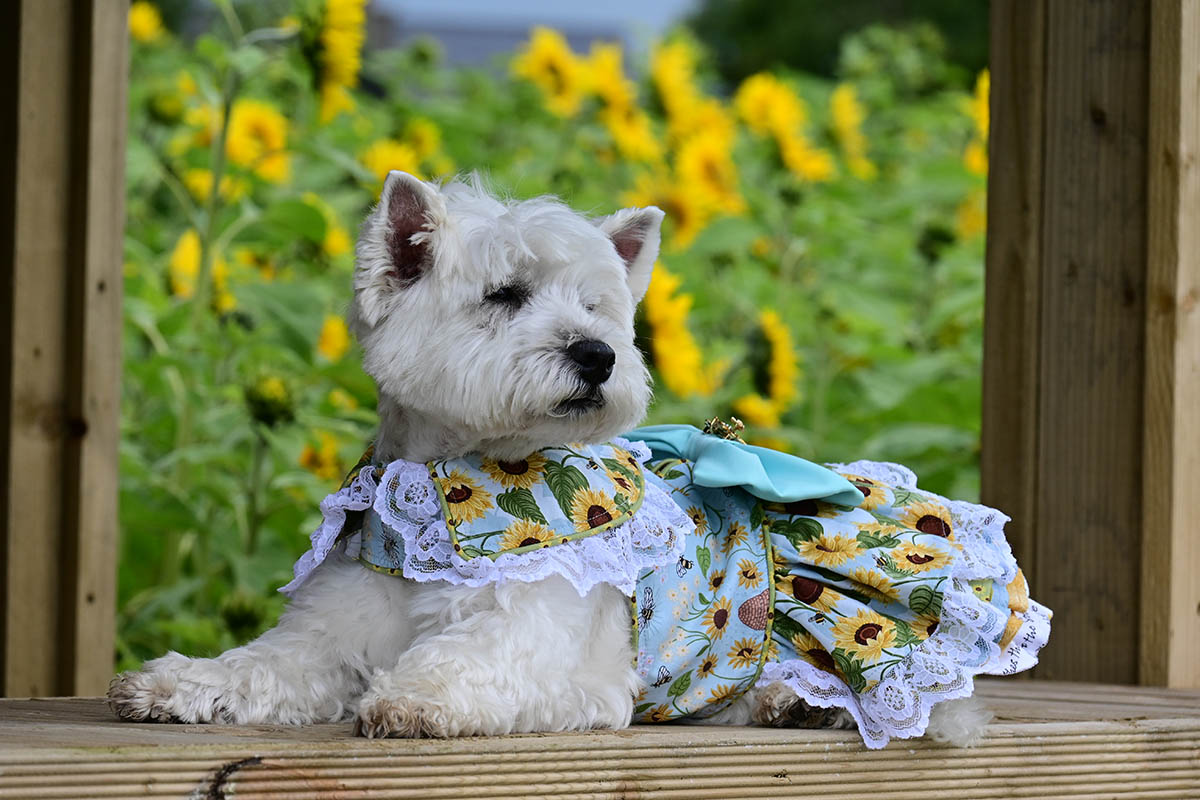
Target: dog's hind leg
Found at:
x=311, y=667
x=519, y=658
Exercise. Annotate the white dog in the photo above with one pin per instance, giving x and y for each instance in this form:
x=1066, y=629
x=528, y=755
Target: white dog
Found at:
x=496, y=328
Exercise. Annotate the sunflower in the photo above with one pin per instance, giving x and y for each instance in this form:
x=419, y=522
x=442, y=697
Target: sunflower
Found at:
x=424, y=136
x=809, y=648
x=707, y=666
x=704, y=162
x=525, y=533
x=145, y=23
x=257, y=140
x=675, y=351
x=924, y=626
x=805, y=160
x=717, y=618
x=606, y=76
x=847, y=115
x=920, y=558
x=465, y=499
x=385, y=155
x=768, y=106
x=686, y=210
x=865, y=635
x=591, y=508
x=874, y=585
x=715, y=579
x=809, y=592
x=621, y=481
x=722, y=694
x=334, y=339
x=929, y=518
x=696, y=514
x=744, y=653
x=783, y=369
x=749, y=576
x=524, y=473
x=341, y=41
x=659, y=713
x=632, y=132
x=756, y=410
x=734, y=537
x=830, y=550
x=547, y=62
x=322, y=460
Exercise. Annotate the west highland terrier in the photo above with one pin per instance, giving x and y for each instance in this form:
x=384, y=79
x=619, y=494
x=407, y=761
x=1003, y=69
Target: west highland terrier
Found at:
x=510, y=557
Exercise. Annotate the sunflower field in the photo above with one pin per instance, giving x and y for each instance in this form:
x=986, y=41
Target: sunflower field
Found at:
x=821, y=275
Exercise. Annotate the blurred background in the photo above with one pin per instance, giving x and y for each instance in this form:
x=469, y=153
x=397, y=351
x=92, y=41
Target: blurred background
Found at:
x=822, y=167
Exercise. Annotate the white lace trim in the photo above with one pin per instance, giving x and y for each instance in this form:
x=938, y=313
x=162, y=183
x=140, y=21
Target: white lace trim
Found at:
x=963, y=646
x=358, y=496
x=407, y=501
x=654, y=537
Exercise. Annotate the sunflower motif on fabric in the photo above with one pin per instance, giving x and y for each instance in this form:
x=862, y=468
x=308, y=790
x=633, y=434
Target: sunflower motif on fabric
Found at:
x=924, y=626
x=715, y=579
x=811, y=650
x=591, y=508
x=723, y=693
x=466, y=500
x=829, y=550
x=920, y=558
x=749, y=574
x=745, y=653
x=875, y=495
x=874, y=585
x=525, y=533
x=929, y=518
x=716, y=618
x=735, y=537
x=699, y=519
x=865, y=635
x=521, y=474
x=807, y=591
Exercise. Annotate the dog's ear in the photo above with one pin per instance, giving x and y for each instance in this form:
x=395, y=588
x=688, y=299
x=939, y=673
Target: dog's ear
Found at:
x=395, y=248
x=635, y=233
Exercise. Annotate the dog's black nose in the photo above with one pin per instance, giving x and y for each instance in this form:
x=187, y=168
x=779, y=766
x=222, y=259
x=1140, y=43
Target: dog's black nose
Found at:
x=594, y=359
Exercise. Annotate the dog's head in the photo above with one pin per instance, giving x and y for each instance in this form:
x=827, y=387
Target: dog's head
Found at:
x=511, y=323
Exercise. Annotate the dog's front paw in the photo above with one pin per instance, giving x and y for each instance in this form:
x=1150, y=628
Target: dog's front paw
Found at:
x=142, y=696
x=382, y=717
x=171, y=689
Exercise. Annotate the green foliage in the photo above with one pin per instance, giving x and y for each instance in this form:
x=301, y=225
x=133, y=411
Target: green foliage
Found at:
x=242, y=407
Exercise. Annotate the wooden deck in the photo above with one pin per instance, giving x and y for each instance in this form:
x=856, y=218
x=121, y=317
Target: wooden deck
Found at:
x=1049, y=740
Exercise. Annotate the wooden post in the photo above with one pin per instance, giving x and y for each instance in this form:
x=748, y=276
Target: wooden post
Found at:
x=61, y=229
x=1170, y=646
x=1090, y=436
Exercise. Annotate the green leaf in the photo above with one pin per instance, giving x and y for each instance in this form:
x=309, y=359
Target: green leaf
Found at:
x=680, y=684
x=904, y=634
x=471, y=551
x=704, y=559
x=925, y=600
x=672, y=475
x=520, y=503
x=756, y=516
x=642, y=708
x=248, y=59
x=703, y=599
x=785, y=626
x=890, y=569
x=564, y=481
x=798, y=530
x=867, y=541
x=297, y=218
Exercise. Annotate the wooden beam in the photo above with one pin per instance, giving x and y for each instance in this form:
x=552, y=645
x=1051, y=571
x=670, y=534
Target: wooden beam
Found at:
x=1066, y=317
x=1170, y=598
x=61, y=342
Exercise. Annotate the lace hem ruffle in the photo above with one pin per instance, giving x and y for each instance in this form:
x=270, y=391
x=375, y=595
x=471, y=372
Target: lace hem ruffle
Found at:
x=406, y=500
x=963, y=646
x=655, y=536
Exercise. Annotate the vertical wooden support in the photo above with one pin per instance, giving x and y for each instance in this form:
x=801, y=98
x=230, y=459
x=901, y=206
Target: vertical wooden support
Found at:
x=1090, y=434
x=1170, y=646
x=61, y=228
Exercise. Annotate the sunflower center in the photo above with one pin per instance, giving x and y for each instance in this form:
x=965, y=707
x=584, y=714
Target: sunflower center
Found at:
x=935, y=525
x=822, y=659
x=866, y=490
x=868, y=632
x=529, y=540
x=720, y=617
x=598, y=515
x=806, y=590
x=514, y=467
x=929, y=629
x=745, y=652
x=459, y=494
x=716, y=580
x=918, y=558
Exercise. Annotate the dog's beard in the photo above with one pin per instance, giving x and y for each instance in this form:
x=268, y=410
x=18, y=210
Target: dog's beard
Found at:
x=579, y=404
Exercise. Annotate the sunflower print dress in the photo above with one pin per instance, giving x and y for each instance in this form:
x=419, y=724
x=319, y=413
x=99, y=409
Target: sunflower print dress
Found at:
x=883, y=603
x=744, y=566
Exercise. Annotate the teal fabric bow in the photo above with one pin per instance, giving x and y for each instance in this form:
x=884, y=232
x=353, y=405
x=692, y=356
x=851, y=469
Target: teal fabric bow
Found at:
x=767, y=474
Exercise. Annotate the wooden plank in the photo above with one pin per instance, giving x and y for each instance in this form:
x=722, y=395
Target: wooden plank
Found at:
x=1009, y=457
x=61, y=340
x=66, y=748
x=1170, y=597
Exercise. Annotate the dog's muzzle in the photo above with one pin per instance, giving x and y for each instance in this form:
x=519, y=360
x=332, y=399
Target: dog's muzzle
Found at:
x=593, y=360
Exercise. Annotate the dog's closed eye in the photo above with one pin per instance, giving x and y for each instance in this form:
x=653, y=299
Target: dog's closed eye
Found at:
x=512, y=296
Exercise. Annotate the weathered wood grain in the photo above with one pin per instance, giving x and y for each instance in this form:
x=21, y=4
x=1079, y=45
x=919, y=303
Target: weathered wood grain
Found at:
x=1130, y=742
x=1170, y=597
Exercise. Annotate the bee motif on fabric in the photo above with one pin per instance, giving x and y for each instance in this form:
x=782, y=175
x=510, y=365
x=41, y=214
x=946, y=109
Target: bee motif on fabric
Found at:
x=682, y=566
x=646, y=610
x=391, y=547
x=664, y=676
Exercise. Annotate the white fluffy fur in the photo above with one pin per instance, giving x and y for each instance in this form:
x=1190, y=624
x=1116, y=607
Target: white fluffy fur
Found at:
x=459, y=374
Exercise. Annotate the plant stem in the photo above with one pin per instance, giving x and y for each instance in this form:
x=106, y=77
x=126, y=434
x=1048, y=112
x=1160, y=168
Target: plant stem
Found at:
x=253, y=514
